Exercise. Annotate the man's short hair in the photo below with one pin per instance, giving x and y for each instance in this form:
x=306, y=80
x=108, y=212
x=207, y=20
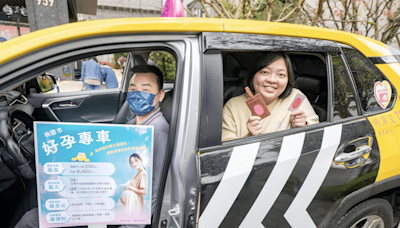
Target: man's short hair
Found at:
x=150, y=69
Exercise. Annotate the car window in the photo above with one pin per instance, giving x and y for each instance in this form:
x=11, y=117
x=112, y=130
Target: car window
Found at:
x=309, y=93
x=92, y=73
x=344, y=102
x=98, y=73
x=366, y=75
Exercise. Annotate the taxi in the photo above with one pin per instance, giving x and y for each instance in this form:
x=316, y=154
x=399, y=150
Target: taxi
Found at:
x=80, y=157
x=341, y=172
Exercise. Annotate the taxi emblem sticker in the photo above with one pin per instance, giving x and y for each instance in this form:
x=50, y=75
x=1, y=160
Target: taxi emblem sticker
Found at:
x=383, y=93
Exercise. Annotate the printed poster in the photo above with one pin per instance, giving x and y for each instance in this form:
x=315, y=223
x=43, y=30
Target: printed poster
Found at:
x=9, y=32
x=93, y=173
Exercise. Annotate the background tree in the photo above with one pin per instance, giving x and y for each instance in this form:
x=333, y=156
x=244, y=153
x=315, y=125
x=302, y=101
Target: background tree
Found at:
x=377, y=19
x=267, y=10
x=165, y=62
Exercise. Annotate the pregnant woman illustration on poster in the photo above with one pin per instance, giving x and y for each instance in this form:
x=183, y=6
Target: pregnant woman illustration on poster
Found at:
x=132, y=196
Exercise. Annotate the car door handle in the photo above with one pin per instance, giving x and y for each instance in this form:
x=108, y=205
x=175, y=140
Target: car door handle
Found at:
x=67, y=105
x=362, y=150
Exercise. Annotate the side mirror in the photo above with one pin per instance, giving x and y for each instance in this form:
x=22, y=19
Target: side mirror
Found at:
x=47, y=83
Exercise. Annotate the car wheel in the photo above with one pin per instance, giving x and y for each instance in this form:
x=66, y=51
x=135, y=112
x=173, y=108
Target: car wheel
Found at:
x=373, y=213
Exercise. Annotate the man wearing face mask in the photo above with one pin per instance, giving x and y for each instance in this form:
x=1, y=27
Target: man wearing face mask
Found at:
x=144, y=97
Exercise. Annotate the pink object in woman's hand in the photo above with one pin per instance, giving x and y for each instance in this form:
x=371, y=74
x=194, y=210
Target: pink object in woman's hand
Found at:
x=173, y=8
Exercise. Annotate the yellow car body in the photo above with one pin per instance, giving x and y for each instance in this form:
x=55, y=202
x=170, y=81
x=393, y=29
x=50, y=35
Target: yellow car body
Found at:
x=369, y=47
x=385, y=124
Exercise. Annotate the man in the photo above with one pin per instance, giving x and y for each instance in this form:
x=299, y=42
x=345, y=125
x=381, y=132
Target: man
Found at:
x=144, y=97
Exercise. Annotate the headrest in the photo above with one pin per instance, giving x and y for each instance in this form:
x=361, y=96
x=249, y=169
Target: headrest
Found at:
x=166, y=106
x=308, y=65
x=231, y=65
x=138, y=60
x=309, y=84
x=243, y=73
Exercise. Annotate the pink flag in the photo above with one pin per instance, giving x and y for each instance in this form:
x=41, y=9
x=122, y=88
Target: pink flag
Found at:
x=173, y=8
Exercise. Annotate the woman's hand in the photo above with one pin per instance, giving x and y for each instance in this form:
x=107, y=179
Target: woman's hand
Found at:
x=129, y=187
x=254, y=126
x=142, y=191
x=298, y=118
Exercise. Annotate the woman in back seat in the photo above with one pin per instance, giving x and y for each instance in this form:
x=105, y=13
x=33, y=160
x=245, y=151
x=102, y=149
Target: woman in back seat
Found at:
x=272, y=77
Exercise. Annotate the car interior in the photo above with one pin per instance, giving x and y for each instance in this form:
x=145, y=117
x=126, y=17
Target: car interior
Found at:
x=24, y=104
x=17, y=114
x=309, y=70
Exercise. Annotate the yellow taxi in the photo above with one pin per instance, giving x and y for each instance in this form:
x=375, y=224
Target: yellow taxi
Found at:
x=80, y=157
x=341, y=172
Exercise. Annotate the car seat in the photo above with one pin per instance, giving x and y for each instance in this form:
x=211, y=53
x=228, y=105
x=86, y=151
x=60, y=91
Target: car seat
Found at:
x=125, y=113
x=311, y=78
x=234, y=76
x=311, y=87
x=234, y=89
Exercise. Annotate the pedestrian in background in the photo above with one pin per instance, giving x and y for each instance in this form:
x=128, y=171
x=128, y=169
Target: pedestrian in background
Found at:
x=109, y=77
x=91, y=75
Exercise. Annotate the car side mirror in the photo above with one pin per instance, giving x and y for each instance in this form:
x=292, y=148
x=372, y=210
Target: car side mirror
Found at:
x=47, y=83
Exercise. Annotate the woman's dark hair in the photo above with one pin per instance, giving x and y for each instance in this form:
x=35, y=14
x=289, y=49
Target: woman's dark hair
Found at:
x=138, y=156
x=266, y=59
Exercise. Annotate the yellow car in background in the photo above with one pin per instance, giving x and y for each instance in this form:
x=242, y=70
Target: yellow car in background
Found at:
x=80, y=157
x=342, y=172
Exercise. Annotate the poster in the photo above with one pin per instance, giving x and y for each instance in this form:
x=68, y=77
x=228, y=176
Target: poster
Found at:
x=9, y=32
x=93, y=173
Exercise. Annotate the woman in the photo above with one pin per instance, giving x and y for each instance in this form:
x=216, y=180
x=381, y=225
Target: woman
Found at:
x=90, y=74
x=132, y=196
x=271, y=76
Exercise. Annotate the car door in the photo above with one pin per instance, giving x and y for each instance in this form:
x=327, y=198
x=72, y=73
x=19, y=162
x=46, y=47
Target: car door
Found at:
x=73, y=103
x=86, y=106
x=290, y=178
x=93, y=106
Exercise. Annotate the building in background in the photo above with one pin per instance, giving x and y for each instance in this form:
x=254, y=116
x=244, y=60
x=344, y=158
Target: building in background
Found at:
x=107, y=9
x=8, y=24
x=124, y=8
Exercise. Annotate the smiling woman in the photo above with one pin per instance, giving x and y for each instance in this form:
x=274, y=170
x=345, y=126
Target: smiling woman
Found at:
x=271, y=76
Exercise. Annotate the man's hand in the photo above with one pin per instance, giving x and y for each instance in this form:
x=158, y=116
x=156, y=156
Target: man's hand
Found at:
x=298, y=118
x=254, y=126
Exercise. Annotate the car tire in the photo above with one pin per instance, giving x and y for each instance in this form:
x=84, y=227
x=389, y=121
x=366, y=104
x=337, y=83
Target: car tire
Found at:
x=372, y=213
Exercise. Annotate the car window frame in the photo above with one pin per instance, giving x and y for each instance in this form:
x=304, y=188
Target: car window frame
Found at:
x=22, y=68
x=363, y=113
x=352, y=85
x=217, y=44
x=66, y=52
